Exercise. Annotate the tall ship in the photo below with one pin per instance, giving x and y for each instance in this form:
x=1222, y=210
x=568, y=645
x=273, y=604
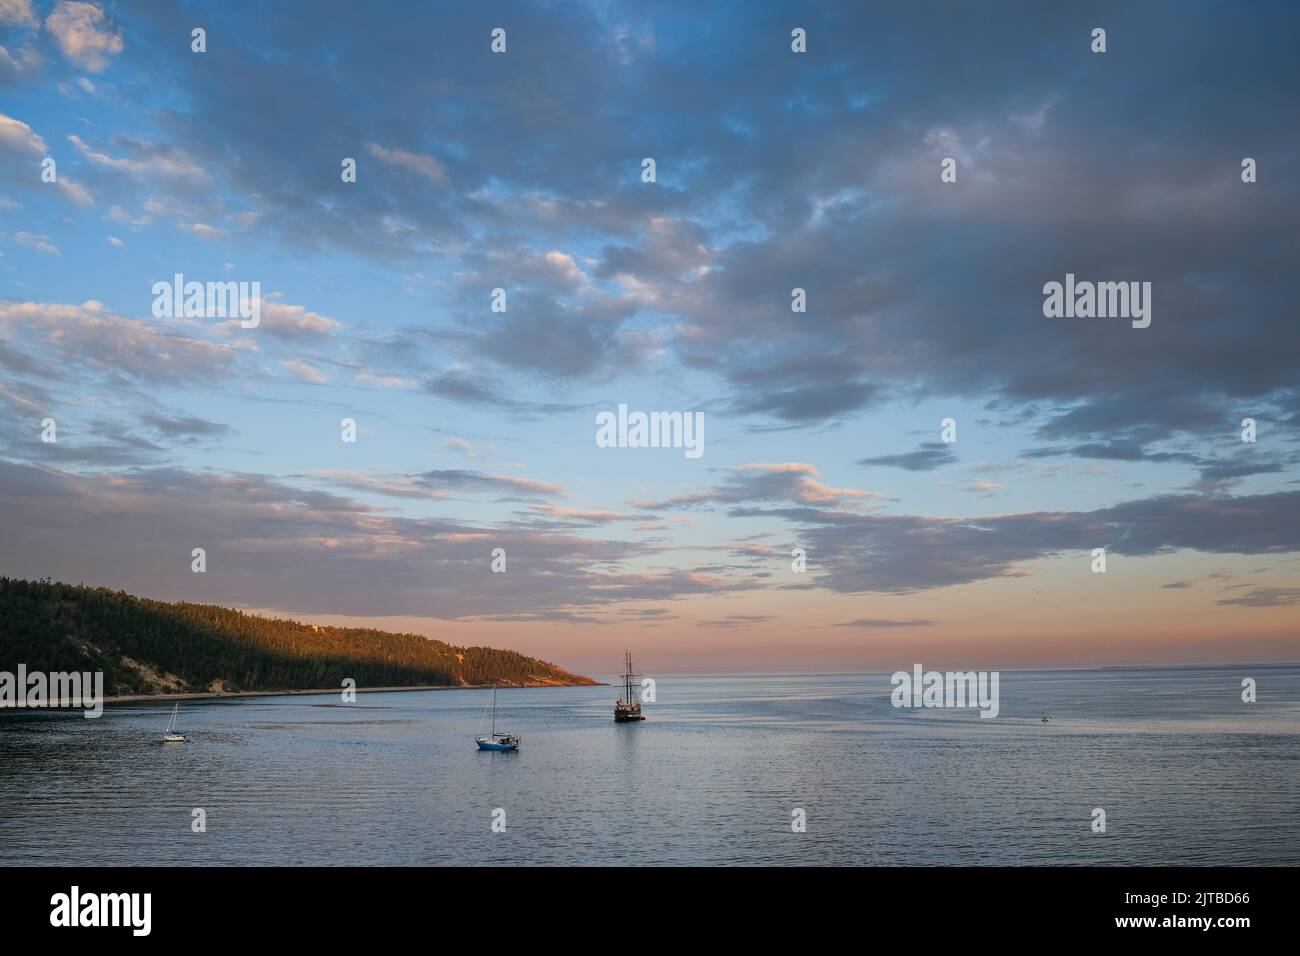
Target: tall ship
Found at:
x=628, y=708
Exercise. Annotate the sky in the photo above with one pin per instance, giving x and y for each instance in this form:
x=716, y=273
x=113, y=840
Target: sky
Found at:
x=774, y=170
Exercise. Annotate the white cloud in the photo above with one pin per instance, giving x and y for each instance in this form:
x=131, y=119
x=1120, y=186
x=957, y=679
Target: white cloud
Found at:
x=366, y=377
x=17, y=137
x=14, y=65
x=17, y=12
x=202, y=230
x=288, y=321
x=89, y=336
x=462, y=446
x=150, y=162
x=76, y=27
x=591, y=515
x=420, y=163
x=294, y=321
x=305, y=372
x=76, y=192
x=562, y=263
x=30, y=240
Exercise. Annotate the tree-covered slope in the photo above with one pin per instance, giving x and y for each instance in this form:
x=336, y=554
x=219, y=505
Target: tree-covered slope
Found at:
x=145, y=647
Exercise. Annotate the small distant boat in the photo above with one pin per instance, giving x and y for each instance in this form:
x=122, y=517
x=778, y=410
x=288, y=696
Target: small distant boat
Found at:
x=1047, y=717
x=169, y=735
x=495, y=740
x=627, y=709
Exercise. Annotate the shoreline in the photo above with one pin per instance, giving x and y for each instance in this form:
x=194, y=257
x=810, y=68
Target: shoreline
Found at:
x=219, y=695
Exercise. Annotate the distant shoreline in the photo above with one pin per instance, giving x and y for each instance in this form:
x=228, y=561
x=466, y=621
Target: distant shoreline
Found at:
x=218, y=695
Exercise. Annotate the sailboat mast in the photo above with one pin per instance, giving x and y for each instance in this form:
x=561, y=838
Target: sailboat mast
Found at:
x=494, y=710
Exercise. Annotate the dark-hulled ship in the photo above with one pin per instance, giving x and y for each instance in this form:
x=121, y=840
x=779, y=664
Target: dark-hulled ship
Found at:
x=628, y=708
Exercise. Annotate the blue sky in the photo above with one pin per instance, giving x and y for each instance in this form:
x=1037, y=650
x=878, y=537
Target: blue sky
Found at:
x=775, y=170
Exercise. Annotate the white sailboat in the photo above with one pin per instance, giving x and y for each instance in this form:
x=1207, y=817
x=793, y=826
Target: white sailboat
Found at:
x=169, y=735
x=497, y=740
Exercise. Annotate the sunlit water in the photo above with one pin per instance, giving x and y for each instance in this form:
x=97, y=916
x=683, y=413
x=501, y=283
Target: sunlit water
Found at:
x=1185, y=771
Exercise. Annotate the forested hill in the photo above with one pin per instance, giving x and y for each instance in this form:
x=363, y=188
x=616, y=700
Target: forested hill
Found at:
x=148, y=647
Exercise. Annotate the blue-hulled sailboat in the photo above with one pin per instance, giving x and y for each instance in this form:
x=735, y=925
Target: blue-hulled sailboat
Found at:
x=495, y=740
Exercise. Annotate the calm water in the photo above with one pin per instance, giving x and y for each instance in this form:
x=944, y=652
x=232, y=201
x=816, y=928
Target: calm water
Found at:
x=1186, y=772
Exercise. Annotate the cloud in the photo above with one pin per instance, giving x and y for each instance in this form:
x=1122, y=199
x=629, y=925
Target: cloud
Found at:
x=1217, y=474
x=859, y=553
x=364, y=376
x=17, y=137
x=812, y=402
x=585, y=338
x=203, y=230
x=1266, y=597
x=450, y=479
x=147, y=160
x=464, y=447
x=445, y=483
x=293, y=322
x=304, y=371
x=72, y=450
x=273, y=545
x=615, y=278
x=463, y=385
x=418, y=163
x=20, y=363
x=789, y=481
x=17, y=12
x=929, y=456
x=584, y=516
x=875, y=623
x=78, y=193
x=79, y=31
x=35, y=242
x=735, y=621
x=16, y=66
x=184, y=428
x=90, y=337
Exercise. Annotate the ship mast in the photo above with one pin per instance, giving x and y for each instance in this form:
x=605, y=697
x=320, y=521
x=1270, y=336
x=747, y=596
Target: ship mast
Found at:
x=628, y=697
